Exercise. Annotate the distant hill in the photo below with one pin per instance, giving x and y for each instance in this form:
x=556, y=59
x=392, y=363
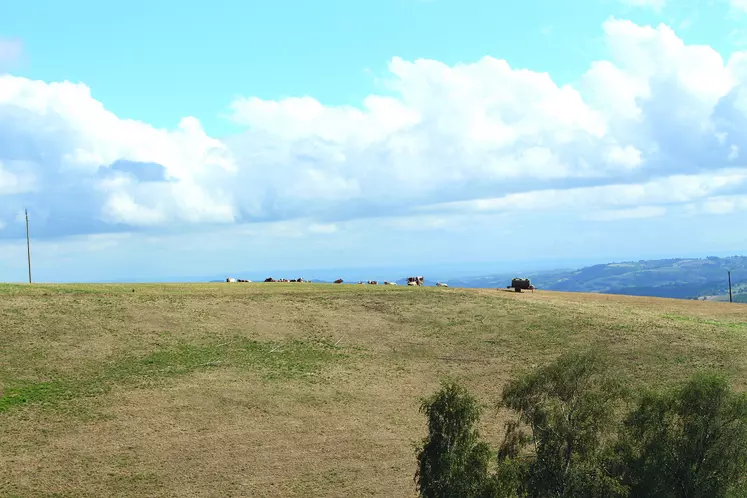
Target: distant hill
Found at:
x=680, y=278
x=674, y=278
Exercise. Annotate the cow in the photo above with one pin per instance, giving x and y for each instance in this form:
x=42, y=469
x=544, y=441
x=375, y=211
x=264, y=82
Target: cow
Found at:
x=416, y=280
x=230, y=279
x=338, y=281
x=390, y=283
x=439, y=284
x=373, y=282
x=270, y=279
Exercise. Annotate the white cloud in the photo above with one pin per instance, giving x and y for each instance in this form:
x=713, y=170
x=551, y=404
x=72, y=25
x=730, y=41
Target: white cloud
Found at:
x=101, y=242
x=626, y=214
x=655, y=5
x=625, y=156
x=679, y=189
x=323, y=228
x=740, y=5
x=14, y=180
x=659, y=123
x=78, y=135
x=719, y=205
x=733, y=152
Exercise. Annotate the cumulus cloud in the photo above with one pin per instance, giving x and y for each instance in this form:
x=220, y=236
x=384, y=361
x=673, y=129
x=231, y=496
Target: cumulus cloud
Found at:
x=13, y=179
x=62, y=148
x=676, y=189
x=659, y=123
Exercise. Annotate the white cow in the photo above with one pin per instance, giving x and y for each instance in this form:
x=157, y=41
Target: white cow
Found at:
x=230, y=279
x=439, y=284
x=416, y=280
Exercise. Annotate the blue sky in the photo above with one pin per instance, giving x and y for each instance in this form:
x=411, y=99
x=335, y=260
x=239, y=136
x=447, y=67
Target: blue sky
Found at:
x=159, y=61
x=170, y=138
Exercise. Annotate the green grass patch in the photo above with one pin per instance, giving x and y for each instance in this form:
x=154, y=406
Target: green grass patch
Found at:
x=282, y=361
x=35, y=393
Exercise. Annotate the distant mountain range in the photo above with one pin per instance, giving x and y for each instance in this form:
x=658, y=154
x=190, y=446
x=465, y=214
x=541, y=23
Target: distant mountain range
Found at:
x=675, y=278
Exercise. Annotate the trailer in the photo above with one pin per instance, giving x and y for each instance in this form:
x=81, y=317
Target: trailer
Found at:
x=519, y=284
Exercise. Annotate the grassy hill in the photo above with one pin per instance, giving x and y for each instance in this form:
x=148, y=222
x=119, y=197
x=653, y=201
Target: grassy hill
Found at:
x=292, y=389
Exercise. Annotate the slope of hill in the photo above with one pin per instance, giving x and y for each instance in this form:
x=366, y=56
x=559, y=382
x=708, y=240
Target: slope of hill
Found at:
x=292, y=390
x=675, y=278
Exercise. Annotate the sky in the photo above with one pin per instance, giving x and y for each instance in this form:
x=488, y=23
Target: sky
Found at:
x=152, y=140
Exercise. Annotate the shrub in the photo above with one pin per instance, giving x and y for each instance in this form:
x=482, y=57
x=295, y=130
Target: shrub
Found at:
x=688, y=442
x=571, y=439
x=452, y=462
x=568, y=408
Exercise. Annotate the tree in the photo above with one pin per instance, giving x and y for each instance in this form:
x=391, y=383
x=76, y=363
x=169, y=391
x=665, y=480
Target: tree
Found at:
x=452, y=461
x=568, y=408
x=570, y=439
x=690, y=442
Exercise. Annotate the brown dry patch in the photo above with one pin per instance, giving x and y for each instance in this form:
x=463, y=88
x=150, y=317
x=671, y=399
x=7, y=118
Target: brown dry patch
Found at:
x=224, y=433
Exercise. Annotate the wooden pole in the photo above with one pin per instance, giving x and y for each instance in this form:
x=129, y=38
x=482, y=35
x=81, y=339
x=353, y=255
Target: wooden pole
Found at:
x=729, y=274
x=28, y=243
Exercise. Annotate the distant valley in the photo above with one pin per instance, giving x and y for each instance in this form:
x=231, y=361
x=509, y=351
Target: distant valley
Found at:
x=679, y=278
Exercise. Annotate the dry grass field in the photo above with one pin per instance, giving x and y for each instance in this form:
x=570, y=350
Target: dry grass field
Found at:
x=292, y=389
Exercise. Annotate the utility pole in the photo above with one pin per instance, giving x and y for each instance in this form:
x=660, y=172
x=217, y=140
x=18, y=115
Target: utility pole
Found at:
x=28, y=243
x=729, y=274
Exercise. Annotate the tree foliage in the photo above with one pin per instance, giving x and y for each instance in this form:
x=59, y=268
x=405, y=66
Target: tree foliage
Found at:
x=571, y=437
x=452, y=461
x=690, y=442
x=568, y=408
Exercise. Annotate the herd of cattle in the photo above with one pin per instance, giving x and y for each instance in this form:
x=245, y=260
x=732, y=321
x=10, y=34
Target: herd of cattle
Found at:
x=411, y=281
x=518, y=284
